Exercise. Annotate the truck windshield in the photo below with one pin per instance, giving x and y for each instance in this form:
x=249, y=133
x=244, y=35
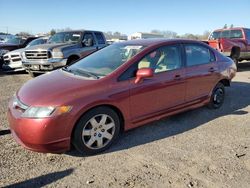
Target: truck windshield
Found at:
x=226, y=34
x=37, y=42
x=15, y=41
x=65, y=37
x=105, y=61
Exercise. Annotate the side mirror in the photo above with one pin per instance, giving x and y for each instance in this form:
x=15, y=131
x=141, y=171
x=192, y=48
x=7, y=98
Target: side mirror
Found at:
x=143, y=73
x=88, y=42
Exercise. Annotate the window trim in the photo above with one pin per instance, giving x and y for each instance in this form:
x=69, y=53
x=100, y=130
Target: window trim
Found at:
x=211, y=52
x=182, y=59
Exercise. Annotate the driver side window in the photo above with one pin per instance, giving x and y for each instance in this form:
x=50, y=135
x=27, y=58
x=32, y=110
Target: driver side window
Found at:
x=163, y=59
x=160, y=60
x=88, y=36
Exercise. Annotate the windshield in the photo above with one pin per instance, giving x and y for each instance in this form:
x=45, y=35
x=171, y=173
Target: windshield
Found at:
x=15, y=41
x=226, y=34
x=36, y=42
x=105, y=61
x=66, y=37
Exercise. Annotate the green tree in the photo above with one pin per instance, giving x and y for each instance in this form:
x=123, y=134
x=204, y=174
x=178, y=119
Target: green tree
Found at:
x=52, y=32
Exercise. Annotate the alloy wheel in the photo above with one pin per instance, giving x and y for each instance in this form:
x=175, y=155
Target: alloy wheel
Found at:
x=98, y=131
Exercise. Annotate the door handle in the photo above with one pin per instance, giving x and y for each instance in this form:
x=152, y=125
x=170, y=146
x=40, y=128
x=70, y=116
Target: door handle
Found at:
x=211, y=69
x=177, y=77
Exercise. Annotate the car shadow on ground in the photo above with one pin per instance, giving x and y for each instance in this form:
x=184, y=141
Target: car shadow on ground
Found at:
x=2, y=73
x=244, y=66
x=237, y=98
x=42, y=180
x=4, y=132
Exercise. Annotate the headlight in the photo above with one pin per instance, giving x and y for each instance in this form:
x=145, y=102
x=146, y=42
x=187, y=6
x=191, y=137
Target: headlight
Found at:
x=38, y=112
x=2, y=52
x=57, y=55
x=43, y=112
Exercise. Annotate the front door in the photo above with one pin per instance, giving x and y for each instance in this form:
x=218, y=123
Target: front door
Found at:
x=86, y=50
x=166, y=89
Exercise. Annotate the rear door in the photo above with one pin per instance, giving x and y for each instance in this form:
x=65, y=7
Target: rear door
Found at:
x=202, y=71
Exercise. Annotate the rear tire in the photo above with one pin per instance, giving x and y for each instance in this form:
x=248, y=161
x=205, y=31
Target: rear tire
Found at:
x=217, y=97
x=96, y=130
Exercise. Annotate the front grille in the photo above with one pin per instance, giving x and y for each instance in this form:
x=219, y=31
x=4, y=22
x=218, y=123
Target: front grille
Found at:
x=36, y=54
x=5, y=57
x=12, y=58
x=16, y=59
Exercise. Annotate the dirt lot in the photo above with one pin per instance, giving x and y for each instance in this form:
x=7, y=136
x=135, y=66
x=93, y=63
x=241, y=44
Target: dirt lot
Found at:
x=199, y=148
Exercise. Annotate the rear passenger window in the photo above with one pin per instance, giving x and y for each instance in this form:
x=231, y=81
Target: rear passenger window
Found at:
x=198, y=55
x=248, y=34
x=100, y=38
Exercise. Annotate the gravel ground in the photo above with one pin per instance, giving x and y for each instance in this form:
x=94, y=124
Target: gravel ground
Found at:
x=199, y=148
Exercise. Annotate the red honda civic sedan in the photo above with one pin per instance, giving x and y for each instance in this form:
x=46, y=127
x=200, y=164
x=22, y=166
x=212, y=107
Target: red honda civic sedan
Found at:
x=117, y=88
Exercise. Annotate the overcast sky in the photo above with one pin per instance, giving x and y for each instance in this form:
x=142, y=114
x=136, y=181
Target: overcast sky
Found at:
x=125, y=16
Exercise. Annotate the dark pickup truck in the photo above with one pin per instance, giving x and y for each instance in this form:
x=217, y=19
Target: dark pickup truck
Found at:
x=62, y=49
x=13, y=44
x=233, y=42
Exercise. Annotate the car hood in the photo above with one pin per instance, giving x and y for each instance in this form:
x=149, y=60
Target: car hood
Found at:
x=18, y=51
x=56, y=88
x=54, y=46
x=3, y=45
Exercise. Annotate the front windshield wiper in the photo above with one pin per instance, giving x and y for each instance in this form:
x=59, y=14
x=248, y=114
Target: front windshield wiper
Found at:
x=66, y=69
x=81, y=71
x=91, y=74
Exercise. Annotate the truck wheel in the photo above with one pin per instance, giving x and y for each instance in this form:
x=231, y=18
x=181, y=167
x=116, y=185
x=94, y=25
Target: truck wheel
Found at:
x=33, y=74
x=235, y=55
x=72, y=60
x=236, y=61
x=96, y=130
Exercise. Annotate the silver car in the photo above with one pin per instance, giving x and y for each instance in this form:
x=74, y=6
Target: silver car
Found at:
x=13, y=60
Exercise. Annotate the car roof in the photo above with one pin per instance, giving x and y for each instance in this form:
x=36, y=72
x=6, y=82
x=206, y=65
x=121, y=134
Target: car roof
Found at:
x=156, y=41
x=80, y=31
x=234, y=28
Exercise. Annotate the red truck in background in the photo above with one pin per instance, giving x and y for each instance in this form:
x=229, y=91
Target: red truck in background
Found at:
x=232, y=42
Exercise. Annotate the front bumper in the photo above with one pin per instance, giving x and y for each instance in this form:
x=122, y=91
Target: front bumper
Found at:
x=46, y=135
x=43, y=65
x=13, y=67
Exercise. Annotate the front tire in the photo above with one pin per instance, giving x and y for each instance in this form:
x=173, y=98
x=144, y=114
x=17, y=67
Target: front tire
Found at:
x=33, y=74
x=217, y=97
x=96, y=130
